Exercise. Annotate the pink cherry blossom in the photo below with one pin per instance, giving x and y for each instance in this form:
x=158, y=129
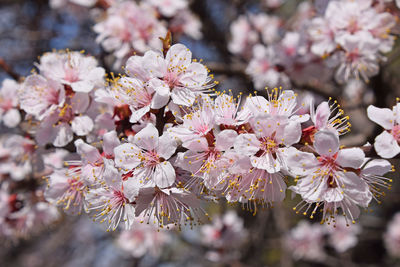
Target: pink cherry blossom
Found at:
x=67, y=189
x=169, y=207
x=129, y=27
x=262, y=68
x=112, y=199
x=185, y=78
x=146, y=156
x=72, y=68
x=328, y=180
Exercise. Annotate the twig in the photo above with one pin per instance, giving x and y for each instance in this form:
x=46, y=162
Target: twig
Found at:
x=9, y=70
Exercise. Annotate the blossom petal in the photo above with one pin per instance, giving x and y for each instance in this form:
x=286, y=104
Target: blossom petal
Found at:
x=247, y=144
x=12, y=118
x=82, y=125
x=326, y=143
x=350, y=157
x=127, y=156
x=322, y=115
x=178, y=56
x=166, y=146
x=382, y=116
x=88, y=153
x=110, y=141
x=386, y=146
x=377, y=167
x=225, y=139
x=164, y=174
x=63, y=136
x=147, y=138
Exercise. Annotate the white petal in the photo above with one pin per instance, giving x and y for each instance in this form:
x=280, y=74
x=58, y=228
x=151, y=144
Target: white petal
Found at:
x=161, y=95
x=138, y=114
x=166, y=146
x=88, y=153
x=183, y=96
x=111, y=175
x=147, y=138
x=382, y=116
x=333, y=195
x=131, y=188
x=386, y=146
x=178, y=56
x=326, y=143
x=64, y=135
x=292, y=133
x=155, y=64
x=247, y=144
x=356, y=189
x=126, y=156
x=82, y=125
x=164, y=174
x=298, y=162
x=12, y=118
x=195, y=75
x=322, y=115
x=80, y=102
x=110, y=141
x=350, y=157
x=225, y=139
x=84, y=86
x=377, y=167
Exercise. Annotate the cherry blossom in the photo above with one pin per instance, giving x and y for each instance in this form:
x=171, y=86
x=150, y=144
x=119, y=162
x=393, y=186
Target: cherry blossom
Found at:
x=386, y=144
x=73, y=69
x=146, y=157
x=328, y=180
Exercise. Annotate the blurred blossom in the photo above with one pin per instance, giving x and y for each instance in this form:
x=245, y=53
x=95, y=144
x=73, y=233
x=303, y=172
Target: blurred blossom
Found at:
x=224, y=237
x=143, y=239
x=342, y=236
x=392, y=236
x=9, y=113
x=306, y=241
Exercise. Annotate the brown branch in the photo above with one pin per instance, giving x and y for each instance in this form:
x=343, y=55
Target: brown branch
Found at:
x=9, y=70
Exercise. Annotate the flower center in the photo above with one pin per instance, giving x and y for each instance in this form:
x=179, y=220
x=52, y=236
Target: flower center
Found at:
x=396, y=132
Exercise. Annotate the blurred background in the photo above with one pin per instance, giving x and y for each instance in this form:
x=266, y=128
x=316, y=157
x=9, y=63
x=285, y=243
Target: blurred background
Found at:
x=273, y=237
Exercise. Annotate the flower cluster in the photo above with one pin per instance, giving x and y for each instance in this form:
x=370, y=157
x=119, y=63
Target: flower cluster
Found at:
x=58, y=99
x=156, y=142
x=348, y=38
x=129, y=27
x=353, y=34
x=23, y=208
